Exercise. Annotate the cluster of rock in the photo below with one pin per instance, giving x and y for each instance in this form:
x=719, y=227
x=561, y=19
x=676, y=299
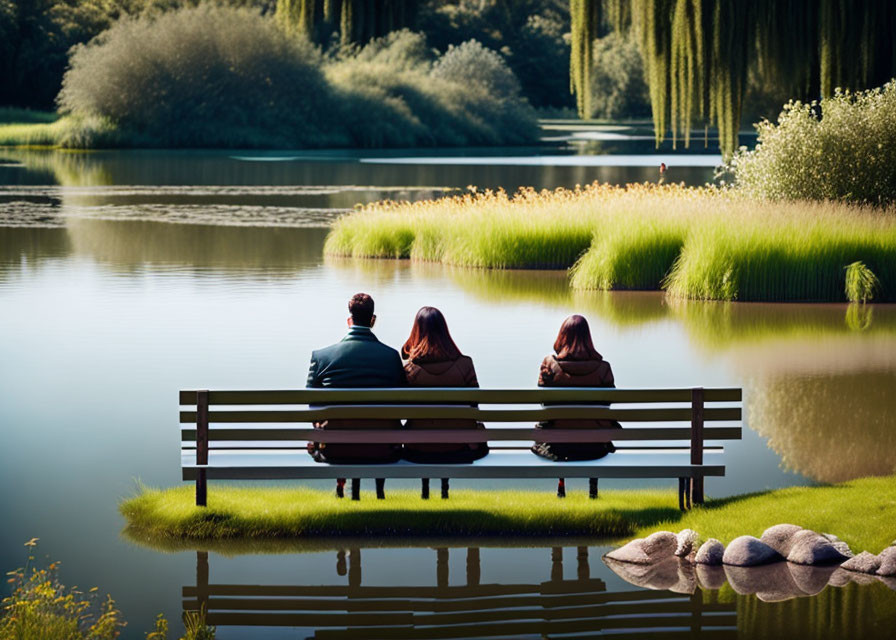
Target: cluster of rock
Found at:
x=787, y=561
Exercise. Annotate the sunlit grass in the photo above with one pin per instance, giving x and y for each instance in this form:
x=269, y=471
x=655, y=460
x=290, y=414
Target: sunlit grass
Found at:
x=699, y=243
x=861, y=512
x=254, y=512
x=68, y=132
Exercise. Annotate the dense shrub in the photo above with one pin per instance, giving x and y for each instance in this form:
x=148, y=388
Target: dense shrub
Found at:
x=530, y=35
x=206, y=75
x=473, y=63
x=391, y=93
x=217, y=76
x=841, y=149
x=618, y=88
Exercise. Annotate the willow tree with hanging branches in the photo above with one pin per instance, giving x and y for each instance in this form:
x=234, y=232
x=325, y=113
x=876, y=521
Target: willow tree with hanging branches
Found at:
x=356, y=21
x=697, y=53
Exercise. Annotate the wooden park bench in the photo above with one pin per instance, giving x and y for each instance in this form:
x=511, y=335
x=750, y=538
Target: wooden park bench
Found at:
x=255, y=435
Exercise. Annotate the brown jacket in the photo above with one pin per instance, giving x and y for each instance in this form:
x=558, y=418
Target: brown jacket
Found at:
x=445, y=373
x=575, y=373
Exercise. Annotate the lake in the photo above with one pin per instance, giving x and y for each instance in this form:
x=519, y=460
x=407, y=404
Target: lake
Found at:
x=125, y=276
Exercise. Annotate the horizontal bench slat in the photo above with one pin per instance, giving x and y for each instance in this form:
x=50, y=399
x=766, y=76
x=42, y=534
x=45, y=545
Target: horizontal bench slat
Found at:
x=484, y=396
x=405, y=436
x=367, y=412
x=328, y=472
x=236, y=465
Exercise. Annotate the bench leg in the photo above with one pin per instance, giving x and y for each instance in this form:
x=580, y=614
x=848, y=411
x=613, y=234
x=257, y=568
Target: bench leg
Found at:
x=380, y=488
x=697, y=490
x=445, y=488
x=340, y=487
x=682, y=489
x=201, y=488
x=561, y=488
x=592, y=488
x=424, y=488
x=356, y=488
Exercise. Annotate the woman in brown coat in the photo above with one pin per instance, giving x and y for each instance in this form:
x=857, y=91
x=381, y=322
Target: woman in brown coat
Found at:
x=575, y=363
x=431, y=359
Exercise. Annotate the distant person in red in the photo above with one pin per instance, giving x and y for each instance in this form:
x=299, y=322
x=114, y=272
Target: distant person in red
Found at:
x=662, y=172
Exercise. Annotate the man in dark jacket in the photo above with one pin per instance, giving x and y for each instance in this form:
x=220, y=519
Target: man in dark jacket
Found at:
x=358, y=360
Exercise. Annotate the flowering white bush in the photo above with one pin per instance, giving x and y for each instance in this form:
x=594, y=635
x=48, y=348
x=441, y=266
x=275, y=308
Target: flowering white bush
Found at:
x=848, y=153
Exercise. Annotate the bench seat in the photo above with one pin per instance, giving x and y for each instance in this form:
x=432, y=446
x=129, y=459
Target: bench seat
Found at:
x=236, y=464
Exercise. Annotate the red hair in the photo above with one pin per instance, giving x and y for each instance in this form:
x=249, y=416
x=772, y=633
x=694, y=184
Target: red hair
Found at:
x=574, y=340
x=429, y=339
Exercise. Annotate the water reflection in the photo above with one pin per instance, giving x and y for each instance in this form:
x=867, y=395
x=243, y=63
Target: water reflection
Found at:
x=811, y=373
x=468, y=608
x=405, y=168
x=577, y=594
x=130, y=245
x=830, y=427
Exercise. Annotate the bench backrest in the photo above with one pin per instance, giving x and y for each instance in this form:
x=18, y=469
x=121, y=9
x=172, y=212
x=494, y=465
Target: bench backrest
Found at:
x=256, y=411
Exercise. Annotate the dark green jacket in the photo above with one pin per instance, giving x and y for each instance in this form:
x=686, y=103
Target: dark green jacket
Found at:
x=359, y=360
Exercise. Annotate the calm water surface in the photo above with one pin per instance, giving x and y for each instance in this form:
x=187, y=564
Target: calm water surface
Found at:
x=107, y=308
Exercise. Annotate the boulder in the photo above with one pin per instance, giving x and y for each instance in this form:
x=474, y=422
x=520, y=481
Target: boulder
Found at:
x=839, y=545
x=747, y=551
x=687, y=538
x=863, y=563
x=779, y=537
x=655, y=547
x=710, y=576
x=632, y=553
x=890, y=582
x=887, y=566
x=660, y=544
x=808, y=547
x=710, y=552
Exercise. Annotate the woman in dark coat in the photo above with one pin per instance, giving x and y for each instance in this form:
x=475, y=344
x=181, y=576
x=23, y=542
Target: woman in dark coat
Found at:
x=431, y=359
x=575, y=363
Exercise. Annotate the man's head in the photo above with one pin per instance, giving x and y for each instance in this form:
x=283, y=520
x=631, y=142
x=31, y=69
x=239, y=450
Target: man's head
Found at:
x=361, y=308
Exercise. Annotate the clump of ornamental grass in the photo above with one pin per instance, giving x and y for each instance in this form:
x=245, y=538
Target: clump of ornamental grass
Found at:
x=861, y=283
x=782, y=251
x=842, y=148
x=694, y=242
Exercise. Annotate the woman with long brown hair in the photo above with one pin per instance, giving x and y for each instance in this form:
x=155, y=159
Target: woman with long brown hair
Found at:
x=575, y=363
x=431, y=359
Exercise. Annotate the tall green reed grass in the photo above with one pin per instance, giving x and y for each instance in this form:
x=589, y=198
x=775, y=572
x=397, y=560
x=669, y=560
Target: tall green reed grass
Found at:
x=701, y=242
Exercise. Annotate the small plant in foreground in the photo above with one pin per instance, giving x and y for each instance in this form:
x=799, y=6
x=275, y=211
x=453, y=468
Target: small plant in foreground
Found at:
x=42, y=608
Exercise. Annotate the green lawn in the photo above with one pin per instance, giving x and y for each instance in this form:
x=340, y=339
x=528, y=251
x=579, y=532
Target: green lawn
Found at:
x=862, y=512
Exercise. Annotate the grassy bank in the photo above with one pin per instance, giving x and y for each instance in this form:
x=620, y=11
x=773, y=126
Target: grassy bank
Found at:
x=862, y=512
x=693, y=242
